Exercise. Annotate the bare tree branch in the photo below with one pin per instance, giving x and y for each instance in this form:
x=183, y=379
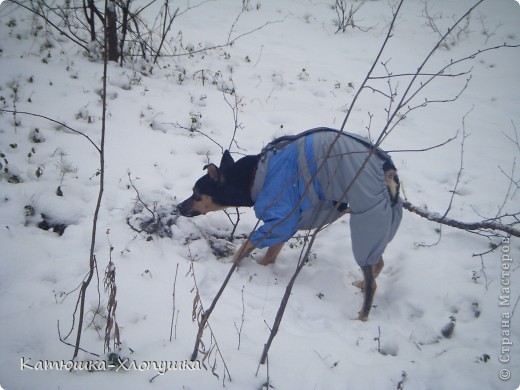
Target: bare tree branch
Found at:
x=54, y=121
x=469, y=226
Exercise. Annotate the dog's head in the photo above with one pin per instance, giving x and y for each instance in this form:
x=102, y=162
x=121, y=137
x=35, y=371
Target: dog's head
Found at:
x=211, y=191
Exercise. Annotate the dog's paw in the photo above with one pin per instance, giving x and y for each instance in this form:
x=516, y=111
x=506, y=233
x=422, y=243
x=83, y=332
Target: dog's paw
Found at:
x=359, y=284
x=266, y=261
x=362, y=317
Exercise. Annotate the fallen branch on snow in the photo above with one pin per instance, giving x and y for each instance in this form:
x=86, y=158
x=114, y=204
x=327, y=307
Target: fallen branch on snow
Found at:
x=490, y=224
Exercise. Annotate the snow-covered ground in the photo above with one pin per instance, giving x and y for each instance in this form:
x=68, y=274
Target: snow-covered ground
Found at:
x=293, y=74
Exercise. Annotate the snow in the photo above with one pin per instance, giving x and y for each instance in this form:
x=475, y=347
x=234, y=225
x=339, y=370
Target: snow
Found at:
x=291, y=75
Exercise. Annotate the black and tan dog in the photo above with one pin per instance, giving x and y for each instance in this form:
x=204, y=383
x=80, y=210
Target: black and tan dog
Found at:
x=304, y=182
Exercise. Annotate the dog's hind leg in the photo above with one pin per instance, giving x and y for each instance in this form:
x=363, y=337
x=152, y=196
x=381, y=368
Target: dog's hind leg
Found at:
x=369, y=291
x=378, y=267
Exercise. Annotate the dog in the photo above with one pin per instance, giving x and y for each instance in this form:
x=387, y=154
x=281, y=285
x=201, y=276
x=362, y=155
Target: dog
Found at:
x=306, y=181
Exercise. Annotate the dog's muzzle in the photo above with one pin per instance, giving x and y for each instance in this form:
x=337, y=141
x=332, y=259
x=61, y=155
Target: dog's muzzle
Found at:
x=185, y=208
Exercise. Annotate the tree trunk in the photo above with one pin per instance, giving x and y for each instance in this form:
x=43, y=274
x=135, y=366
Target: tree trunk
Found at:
x=111, y=31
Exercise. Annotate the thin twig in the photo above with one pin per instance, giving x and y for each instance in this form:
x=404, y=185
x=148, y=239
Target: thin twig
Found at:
x=179, y=126
x=92, y=257
x=72, y=345
x=173, y=297
x=139, y=198
x=57, y=122
x=239, y=329
x=207, y=313
x=459, y=174
x=199, y=314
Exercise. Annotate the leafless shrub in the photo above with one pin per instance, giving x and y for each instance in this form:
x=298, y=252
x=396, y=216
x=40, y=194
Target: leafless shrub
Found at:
x=109, y=282
x=435, y=21
x=151, y=219
x=345, y=15
x=210, y=351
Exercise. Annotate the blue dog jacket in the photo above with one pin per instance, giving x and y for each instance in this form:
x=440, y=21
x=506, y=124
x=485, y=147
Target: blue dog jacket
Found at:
x=304, y=181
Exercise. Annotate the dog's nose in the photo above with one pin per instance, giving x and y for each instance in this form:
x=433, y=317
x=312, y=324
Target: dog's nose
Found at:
x=181, y=209
x=184, y=209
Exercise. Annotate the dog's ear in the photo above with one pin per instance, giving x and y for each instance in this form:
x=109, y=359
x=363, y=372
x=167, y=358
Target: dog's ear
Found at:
x=213, y=171
x=226, y=161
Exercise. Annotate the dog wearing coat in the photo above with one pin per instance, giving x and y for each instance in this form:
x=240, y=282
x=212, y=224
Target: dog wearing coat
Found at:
x=306, y=181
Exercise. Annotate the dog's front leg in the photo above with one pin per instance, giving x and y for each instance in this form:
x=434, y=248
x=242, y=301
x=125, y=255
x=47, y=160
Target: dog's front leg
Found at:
x=244, y=251
x=271, y=254
x=368, y=291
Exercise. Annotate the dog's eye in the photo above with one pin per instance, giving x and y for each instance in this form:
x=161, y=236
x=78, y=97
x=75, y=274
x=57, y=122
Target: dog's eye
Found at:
x=196, y=196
